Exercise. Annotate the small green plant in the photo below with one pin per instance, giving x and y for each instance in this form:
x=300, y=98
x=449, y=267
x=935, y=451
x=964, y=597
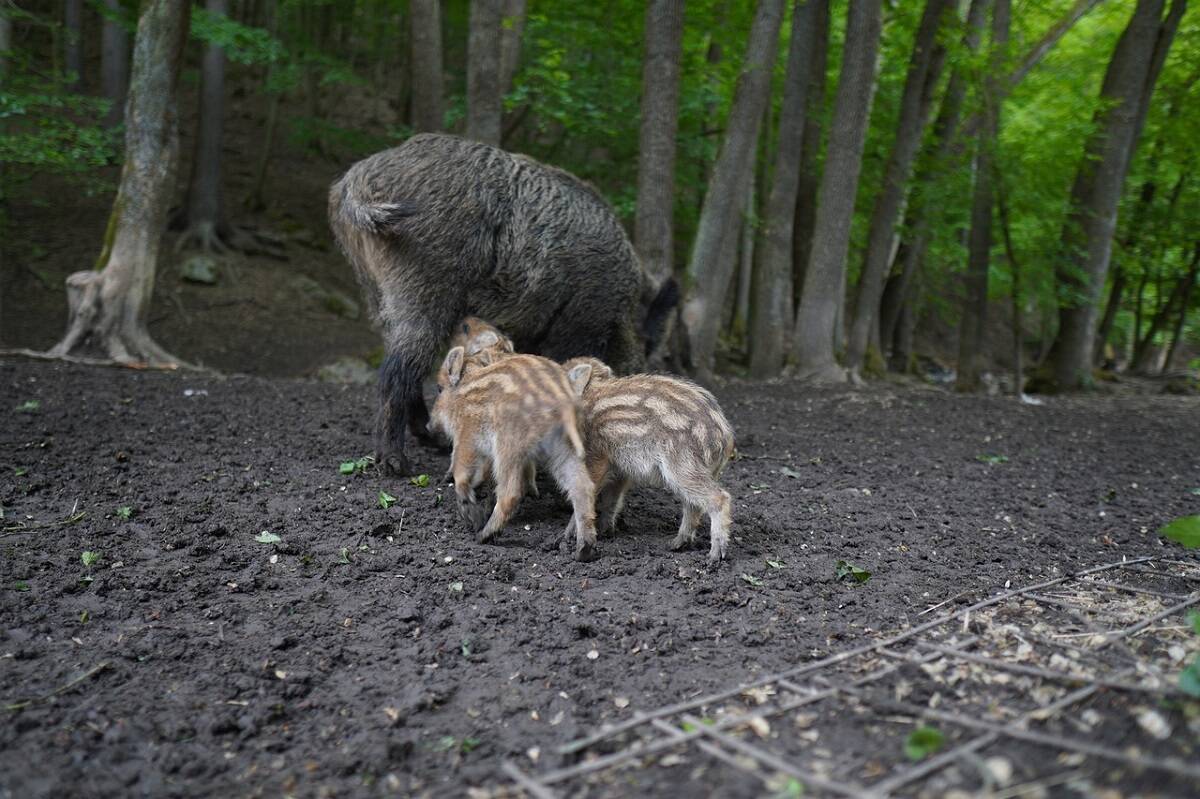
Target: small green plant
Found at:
x=1189, y=678
x=923, y=742
x=1184, y=530
x=456, y=587
x=788, y=471
x=449, y=743
x=124, y=512
x=267, y=538
x=357, y=466
x=29, y=406
x=992, y=459
x=420, y=481
x=790, y=788
x=89, y=558
x=750, y=578
x=466, y=647
x=843, y=569
x=84, y=617
x=343, y=557
x=776, y=564
x=20, y=585
x=386, y=500
x=20, y=471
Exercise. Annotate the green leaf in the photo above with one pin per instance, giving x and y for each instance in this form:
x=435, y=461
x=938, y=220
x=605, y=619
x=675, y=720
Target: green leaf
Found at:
x=267, y=538
x=788, y=471
x=1196, y=491
x=1189, y=679
x=124, y=512
x=791, y=789
x=750, y=578
x=344, y=556
x=20, y=471
x=468, y=744
x=84, y=616
x=346, y=467
x=20, y=585
x=1194, y=618
x=923, y=742
x=29, y=406
x=759, y=486
x=993, y=459
x=776, y=564
x=89, y=558
x=456, y=587
x=386, y=500
x=1184, y=530
x=420, y=481
x=843, y=569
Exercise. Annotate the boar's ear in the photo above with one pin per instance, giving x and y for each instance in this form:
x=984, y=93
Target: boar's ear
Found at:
x=483, y=341
x=579, y=376
x=453, y=365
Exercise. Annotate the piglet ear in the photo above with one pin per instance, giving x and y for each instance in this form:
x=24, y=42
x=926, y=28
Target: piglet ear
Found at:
x=453, y=365
x=483, y=341
x=579, y=377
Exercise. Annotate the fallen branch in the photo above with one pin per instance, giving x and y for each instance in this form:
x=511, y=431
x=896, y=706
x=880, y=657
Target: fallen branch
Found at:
x=87, y=675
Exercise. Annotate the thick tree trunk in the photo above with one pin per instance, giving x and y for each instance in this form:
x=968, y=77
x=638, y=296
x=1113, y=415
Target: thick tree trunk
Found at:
x=979, y=242
x=653, y=226
x=924, y=68
x=256, y=200
x=745, y=272
x=1188, y=283
x=484, y=98
x=710, y=275
x=1087, y=236
x=810, y=151
x=1018, y=322
x=73, y=44
x=1178, y=298
x=772, y=316
x=110, y=304
x=427, y=94
x=512, y=28
x=1115, y=293
x=825, y=276
x=114, y=63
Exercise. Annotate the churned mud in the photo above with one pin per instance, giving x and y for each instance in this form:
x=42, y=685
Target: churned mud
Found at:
x=380, y=650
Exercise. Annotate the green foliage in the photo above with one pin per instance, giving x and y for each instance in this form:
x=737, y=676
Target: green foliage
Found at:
x=843, y=569
x=923, y=742
x=89, y=558
x=420, y=481
x=386, y=500
x=266, y=537
x=241, y=44
x=1184, y=530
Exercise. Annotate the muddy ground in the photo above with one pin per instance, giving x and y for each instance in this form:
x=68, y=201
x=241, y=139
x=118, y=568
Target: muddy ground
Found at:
x=382, y=650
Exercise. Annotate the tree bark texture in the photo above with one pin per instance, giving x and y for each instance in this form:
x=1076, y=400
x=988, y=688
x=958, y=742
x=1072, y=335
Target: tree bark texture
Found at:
x=919, y=85
x=718, y=217
x=428, y=110
x=772, y=316
x=512, y=28
x=810, y=151
x=653, y=225
x=1088, y=233
x=1188, y=284
x=484, y=99
x=73, y=44
x=5, y=43
x=825, y=276
x=205, y=215
x=110, y=304
x=979, y=240
x=114, y=63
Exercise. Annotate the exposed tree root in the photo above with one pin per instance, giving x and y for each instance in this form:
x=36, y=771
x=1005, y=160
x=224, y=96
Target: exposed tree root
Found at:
x=219, y=238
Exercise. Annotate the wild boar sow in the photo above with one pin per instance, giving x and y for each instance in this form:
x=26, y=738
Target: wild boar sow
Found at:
x=441, y=227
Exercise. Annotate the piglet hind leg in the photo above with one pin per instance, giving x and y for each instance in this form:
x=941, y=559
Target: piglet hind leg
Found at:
x=468, y=469
x=687, y=527
x=510, y=484
x=572, y=476
x=702, y=494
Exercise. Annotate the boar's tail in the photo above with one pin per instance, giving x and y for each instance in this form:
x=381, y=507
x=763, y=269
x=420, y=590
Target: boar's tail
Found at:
x=570, y=424
x=658, y=312
x=374, y=217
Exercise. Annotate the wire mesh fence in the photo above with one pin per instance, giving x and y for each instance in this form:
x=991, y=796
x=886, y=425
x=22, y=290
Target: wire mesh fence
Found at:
x=1068, y=683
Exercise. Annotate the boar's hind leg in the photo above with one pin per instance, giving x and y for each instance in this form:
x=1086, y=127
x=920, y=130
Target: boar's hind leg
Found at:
x=401, y=398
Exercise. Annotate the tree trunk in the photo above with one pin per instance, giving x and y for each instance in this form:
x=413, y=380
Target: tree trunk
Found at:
x=710, y=275
x=653, y=226
x=810, y=150
x=924, y=69
x=484, y=99
x=772, y=301
x=256, y=200
x=5, y=43
x=427, y=93
x=1188, y=282
x=1087, y=236
x=204, y=215
x=979, y=247
x=114, y=63
x=512, y=28
x=825, y=276
x=1180, y=292
x=1111, y=308
x=745, y=273
x=73, y=28
x=110, y=304
x=1010, y=254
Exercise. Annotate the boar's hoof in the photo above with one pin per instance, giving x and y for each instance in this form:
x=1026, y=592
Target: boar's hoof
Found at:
x=474, y=514
x=586, y=553
x=394, y=465
x=678, y=544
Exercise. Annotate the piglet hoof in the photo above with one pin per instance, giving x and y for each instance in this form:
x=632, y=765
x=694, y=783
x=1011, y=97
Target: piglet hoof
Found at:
x=531, y=490
x=485, y=535
x=448, y=477
x=474, y=513
x=586, y=553
x=680, y=544
x=716, y=555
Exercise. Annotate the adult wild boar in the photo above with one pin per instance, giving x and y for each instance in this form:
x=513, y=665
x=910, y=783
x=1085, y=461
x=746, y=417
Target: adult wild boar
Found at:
x=440, y=228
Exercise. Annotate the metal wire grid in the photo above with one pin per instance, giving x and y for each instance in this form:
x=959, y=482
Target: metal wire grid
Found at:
x=1042, y=652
